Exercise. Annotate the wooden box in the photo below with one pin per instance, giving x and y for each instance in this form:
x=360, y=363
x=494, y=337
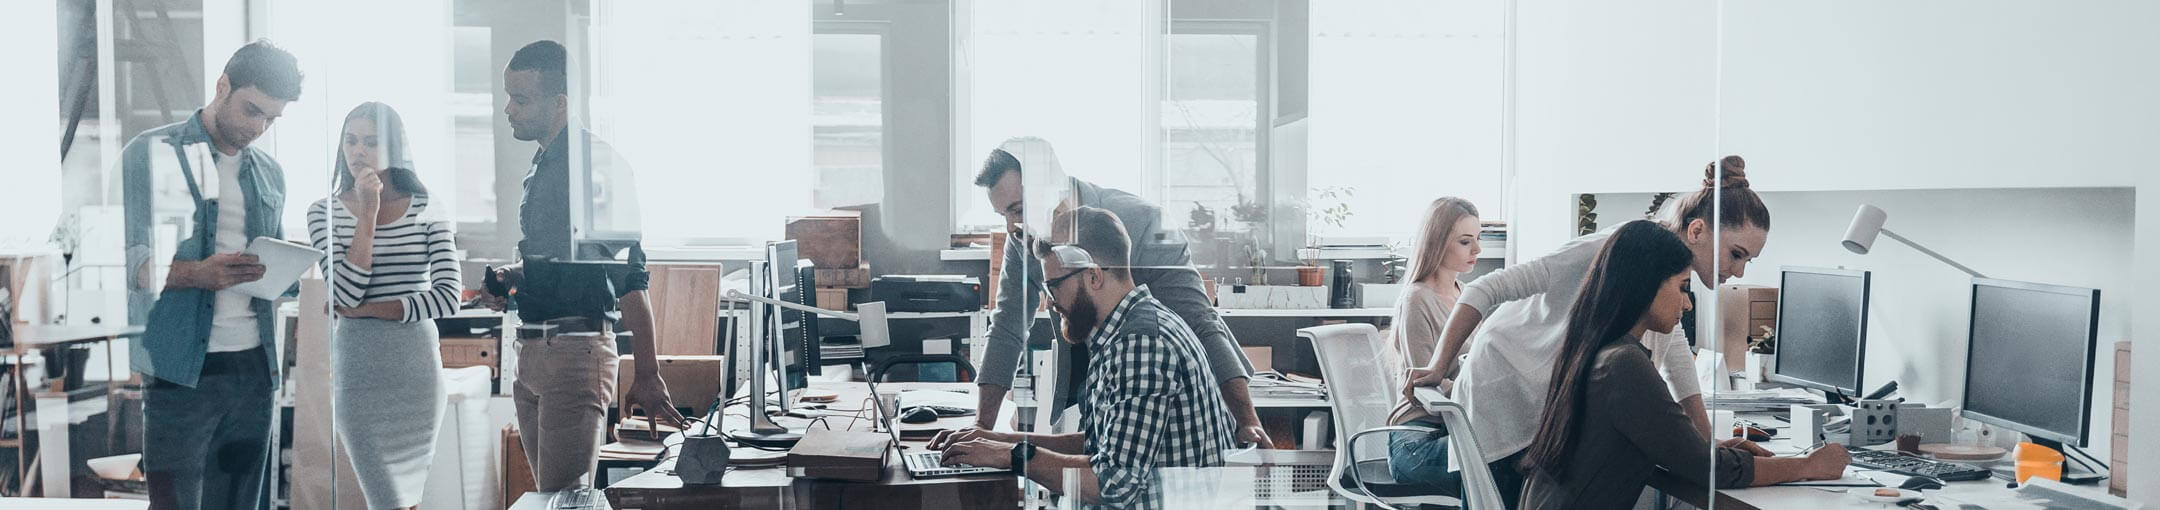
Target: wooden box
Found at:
x=831, y=240
x=2119, y=462
x=517, y=475
x=857, y=277
x=997, y=265
x=1747, y=310
x=461, y=352
x=832, y=299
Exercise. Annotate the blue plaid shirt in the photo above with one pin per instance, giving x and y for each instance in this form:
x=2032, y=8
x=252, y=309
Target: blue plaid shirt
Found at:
x=1151, y=402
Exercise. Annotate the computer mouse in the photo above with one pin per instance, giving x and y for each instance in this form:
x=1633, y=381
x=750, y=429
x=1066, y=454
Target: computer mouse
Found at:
x=1921, y=483
x=918, y=415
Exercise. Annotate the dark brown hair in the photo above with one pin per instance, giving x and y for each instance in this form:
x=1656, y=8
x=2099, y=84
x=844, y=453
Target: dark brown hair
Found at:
x=397, y=158
x=1741, y=206
x=1626, y=278
x=995, y=167
x=1096, y=230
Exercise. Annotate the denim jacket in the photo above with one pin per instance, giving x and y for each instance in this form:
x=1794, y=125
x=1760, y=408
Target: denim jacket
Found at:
x=176, y=322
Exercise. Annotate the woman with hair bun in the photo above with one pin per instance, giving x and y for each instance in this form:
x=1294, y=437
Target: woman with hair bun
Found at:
x=1518, y=317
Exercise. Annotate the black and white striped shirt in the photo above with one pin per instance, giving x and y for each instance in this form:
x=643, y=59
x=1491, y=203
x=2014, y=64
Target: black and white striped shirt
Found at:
x=1152, y=402
x=415, y=261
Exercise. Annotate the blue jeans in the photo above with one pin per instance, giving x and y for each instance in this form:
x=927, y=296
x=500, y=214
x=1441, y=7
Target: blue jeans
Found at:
x=1422, y=458
x=208, y=447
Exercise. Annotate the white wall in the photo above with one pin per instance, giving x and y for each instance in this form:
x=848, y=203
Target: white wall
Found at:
x=27, y=215
x=1630, y=97
x=1918, y=307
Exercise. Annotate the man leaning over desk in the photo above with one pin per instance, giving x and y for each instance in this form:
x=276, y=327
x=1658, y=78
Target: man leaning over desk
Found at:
x=1150, y=400
x=1160, y=262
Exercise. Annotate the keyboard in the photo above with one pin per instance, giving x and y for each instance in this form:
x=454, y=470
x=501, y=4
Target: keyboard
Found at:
x=926, y=465
x=578, y=498
x=1908, y=465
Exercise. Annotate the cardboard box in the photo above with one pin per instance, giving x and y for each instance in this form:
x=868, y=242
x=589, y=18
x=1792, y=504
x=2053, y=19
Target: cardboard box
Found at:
x=461, y=352
x=831, y=240
x=834, y=299
x=853, y=278
x=517, y=477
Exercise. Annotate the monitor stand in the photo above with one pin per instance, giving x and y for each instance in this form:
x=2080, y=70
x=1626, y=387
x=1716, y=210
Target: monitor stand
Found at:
x=763, y=432
x=2075, y=471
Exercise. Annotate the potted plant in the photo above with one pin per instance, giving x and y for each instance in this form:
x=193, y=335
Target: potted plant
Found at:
x=1762, y=355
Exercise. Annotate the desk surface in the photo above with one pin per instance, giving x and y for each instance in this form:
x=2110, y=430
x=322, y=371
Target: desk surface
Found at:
x=1989, y=493
x=770, y=487
x=28, y=338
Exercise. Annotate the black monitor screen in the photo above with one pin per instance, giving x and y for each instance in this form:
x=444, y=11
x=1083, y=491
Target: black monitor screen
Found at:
x=1822, y=328
x=2029, y=361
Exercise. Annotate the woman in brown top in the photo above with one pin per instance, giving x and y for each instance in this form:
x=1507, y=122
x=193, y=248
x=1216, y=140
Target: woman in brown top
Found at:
x=1602, y=435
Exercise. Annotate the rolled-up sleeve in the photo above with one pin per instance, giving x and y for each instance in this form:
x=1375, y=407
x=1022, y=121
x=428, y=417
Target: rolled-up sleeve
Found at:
x=1675, y=363
x=1511, y=283
x=1017, y=300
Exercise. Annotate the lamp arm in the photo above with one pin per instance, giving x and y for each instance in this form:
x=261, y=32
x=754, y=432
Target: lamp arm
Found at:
x=1931, y=253
x=740, y=296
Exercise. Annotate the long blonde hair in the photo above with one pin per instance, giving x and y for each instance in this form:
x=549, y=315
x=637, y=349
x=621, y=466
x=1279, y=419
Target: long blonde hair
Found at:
x=1440, y=219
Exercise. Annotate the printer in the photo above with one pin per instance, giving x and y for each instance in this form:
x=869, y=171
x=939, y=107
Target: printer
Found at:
x=928, y=293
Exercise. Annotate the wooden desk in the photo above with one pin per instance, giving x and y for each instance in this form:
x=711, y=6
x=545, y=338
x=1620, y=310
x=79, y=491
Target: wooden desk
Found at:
x=770, y=487
x=52, y=428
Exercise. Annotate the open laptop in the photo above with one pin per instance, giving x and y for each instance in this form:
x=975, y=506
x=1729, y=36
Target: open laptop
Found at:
x=921, y=463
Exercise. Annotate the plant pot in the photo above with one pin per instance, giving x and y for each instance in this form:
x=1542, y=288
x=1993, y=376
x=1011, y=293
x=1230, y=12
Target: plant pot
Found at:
x=1310, y=276
x=1759, y=366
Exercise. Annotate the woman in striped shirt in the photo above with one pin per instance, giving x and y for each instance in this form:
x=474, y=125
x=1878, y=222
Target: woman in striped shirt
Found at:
x=391, y=275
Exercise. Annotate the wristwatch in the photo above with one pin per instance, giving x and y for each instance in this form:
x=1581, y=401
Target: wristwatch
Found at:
x=1020, y=454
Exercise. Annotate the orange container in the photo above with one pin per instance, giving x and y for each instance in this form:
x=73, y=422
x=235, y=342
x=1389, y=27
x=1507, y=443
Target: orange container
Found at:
x=2035, y=460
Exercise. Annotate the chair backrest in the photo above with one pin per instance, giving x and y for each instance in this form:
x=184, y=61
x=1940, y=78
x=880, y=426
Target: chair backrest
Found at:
x=1479, y=489
x=963, y=370
x=1358, y=395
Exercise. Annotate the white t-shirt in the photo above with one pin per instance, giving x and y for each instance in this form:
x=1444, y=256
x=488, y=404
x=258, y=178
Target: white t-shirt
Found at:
x=232, y=323
x=1512, y=354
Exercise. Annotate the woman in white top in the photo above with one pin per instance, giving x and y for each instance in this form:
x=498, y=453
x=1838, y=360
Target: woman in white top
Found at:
x=1447, y=247
x=1519, y=315
x=391, y=276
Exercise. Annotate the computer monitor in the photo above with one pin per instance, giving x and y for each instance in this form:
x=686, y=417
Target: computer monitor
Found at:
x=1822, y=329
x=803, y=337
x=783, y=325
x=2029, y=359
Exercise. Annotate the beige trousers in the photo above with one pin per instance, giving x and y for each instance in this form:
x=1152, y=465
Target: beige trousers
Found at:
x=564, y=386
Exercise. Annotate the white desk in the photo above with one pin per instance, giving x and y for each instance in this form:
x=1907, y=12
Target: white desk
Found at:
x=1989, y=493
x=53, y=413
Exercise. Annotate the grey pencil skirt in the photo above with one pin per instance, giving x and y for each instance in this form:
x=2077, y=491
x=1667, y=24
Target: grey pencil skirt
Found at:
x=387, y=402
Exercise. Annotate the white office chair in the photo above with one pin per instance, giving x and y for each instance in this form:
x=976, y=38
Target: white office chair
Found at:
x=1362, y=395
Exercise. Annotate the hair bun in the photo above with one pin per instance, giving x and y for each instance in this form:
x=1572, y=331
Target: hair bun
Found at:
x=1731, y=169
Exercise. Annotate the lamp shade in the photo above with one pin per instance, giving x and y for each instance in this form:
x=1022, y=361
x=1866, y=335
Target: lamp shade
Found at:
x=871, y=316
x=1866, y=225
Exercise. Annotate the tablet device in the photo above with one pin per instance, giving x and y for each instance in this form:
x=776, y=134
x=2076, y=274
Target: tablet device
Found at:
x=283, y=263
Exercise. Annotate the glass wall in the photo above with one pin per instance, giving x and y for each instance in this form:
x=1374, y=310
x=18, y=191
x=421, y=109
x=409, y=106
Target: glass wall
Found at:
x=551, y=240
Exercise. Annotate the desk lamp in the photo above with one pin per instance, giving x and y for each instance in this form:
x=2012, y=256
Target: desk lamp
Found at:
x=1868, y=221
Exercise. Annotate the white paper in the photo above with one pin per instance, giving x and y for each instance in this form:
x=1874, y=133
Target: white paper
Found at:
x=283, y=262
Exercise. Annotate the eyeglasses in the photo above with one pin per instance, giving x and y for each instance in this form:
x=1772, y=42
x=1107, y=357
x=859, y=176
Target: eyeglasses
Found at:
x=1049, y=287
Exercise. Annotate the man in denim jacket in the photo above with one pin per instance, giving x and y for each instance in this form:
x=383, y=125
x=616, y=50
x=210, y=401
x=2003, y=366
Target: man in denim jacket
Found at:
x=207, y=352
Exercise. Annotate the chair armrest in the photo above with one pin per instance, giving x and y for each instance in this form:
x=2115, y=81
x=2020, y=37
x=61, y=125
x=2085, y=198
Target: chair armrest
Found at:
x=1351, y=447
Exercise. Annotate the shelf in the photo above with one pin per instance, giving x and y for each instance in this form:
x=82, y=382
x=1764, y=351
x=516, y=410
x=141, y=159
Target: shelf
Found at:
x=964, y=254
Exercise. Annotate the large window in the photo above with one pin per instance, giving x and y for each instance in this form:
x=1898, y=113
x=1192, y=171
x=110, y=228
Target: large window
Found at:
x=1212, y=114
x=847, y=114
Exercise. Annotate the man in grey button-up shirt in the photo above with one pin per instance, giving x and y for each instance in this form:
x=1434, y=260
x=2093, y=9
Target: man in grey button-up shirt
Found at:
x=1161, y=261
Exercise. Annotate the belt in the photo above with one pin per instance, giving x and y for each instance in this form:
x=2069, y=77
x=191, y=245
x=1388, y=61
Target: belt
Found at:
x=565, y=325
